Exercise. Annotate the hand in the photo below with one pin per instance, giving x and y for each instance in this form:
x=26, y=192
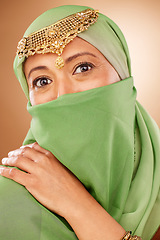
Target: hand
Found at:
x=55, y=187
x=49, y=181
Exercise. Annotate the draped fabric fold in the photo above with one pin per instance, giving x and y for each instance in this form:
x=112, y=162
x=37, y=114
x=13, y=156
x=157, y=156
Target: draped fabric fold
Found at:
x=93, y=133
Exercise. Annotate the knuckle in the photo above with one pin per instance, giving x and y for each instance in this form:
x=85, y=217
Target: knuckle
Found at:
x=44, y=159
x=22, y=151
x=12, y=172
x=17, y=160
x=47, y=159
x=49, y=154
x=25, y=150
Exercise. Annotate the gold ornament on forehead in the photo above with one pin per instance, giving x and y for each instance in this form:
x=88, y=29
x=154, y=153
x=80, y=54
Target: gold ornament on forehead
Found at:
x=54, y=38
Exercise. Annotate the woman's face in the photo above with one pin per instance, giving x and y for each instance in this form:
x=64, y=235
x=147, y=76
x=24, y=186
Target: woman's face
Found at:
x=84, y=68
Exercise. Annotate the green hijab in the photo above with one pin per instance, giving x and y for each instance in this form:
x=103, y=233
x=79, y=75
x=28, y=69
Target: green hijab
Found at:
x=103, y=135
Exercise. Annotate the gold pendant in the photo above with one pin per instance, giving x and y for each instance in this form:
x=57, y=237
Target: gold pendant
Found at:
x=59, y=63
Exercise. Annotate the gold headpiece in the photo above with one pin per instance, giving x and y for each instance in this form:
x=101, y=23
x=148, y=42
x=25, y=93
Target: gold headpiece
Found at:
x=54, y=38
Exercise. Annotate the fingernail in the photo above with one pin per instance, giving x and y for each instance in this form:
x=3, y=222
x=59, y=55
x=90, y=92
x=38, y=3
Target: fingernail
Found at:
x=10, y=153
x=1, y=169
x=4, y=160
x=28, y=145
x=22, y=146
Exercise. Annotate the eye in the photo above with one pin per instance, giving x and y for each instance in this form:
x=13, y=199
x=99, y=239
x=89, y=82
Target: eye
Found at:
x=41, y=82
x=83, y=67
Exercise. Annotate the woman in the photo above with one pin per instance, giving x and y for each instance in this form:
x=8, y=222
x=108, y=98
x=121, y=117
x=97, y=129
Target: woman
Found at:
x=91, y=149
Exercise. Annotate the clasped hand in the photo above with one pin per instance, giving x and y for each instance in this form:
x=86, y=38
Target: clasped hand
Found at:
x=55, y=187
x=48, y=180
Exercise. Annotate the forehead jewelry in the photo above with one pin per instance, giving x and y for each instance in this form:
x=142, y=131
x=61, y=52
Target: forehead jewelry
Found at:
x=54, y=38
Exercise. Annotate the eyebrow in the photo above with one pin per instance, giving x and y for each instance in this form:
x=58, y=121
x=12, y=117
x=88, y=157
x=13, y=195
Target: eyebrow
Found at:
x=69, y=59
x=37, y=68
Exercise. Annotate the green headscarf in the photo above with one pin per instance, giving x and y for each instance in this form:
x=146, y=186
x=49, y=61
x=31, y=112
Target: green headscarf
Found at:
x=103, y=135
x=105, y=35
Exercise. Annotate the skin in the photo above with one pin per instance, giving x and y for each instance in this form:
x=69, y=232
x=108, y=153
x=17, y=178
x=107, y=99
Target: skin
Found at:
x=59, y=190
x=80, y=73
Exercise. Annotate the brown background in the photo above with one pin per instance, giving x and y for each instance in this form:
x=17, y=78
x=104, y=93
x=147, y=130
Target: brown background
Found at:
x=140, y=23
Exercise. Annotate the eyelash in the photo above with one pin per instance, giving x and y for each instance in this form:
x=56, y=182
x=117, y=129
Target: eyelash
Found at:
x=83, y=64
x=39, y=79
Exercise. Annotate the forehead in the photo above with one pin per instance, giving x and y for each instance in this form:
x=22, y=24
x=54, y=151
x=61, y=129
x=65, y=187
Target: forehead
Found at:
x=78, y=45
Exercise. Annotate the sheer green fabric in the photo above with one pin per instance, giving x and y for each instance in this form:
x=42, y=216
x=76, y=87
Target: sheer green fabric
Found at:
x=92, y=133
x=103, y=135
x=98, y=134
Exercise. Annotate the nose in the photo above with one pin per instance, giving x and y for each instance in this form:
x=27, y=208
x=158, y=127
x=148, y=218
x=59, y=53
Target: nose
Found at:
x=65, y=86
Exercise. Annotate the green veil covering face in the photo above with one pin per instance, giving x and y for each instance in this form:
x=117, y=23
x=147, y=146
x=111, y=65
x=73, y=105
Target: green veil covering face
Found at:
x=103, y=135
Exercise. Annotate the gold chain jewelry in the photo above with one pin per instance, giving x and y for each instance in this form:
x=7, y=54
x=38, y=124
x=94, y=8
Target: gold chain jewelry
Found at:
x=128, y=236
x=54, y=38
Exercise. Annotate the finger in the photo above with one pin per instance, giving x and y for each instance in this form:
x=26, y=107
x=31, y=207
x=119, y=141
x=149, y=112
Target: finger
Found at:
x=21, y=162
x=34, y=145
x=19, y=150
x=28, y=145
x=15, y=174
x=16, y=151
x=30, y=153
x=37, y=147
